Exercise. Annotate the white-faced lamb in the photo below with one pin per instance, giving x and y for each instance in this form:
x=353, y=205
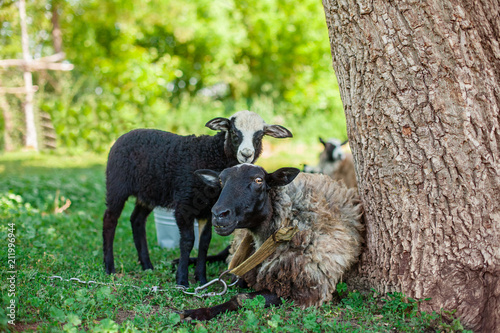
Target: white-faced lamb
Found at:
x=335, y=162
x=158, y=167
x=307, y=268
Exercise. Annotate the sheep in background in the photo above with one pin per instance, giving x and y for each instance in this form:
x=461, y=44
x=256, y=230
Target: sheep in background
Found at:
x=157, y=168
x=335, y=162
x=307, y=268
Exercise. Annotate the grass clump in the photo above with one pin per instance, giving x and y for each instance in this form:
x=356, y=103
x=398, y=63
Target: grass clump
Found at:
x=52, y=238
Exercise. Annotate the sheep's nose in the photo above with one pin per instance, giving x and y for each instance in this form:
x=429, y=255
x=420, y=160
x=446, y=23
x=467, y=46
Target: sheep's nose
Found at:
x=220, y=215
x=247, y=153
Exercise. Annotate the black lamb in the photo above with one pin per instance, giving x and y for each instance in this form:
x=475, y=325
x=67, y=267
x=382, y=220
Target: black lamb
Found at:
x=158, y=167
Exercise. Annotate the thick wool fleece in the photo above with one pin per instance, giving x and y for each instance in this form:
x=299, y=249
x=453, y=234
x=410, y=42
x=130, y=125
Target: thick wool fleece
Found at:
x=307, y=269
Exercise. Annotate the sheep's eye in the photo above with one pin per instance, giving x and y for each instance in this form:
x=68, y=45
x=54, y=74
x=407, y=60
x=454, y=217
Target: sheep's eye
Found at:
x=220, y=182
x=258, y=180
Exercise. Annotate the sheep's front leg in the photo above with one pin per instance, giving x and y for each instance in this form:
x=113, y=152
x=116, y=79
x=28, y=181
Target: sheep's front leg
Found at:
x=205, y=237
x=233, y=304
x=186, y=242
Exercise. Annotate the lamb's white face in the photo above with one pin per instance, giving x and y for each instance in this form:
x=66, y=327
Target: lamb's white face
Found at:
x=245, y=130
x=249, y=128
x=337, y=152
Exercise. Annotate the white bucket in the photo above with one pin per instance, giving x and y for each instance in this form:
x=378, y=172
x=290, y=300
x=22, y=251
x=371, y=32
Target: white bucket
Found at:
x=167, y=231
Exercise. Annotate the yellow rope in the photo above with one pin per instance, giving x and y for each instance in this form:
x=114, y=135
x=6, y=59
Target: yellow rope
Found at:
x=284, y=234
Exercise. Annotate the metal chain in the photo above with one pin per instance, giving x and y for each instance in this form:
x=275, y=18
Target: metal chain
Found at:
x=196, y=292
x=154, y=288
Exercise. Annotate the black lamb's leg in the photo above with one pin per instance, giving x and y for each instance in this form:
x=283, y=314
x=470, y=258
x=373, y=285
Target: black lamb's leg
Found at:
x=185, y=222
x=110, y=220
x=200, y=271
x=233, y=304
x=138, y=221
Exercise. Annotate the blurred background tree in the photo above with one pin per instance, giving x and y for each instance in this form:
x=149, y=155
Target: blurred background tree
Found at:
x=173, y=65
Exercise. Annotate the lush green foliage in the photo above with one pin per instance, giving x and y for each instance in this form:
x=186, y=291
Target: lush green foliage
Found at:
x=176, y=64
x=69, y=244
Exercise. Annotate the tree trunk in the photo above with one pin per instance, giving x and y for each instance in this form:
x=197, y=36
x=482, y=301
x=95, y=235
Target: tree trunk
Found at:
x=420, y=83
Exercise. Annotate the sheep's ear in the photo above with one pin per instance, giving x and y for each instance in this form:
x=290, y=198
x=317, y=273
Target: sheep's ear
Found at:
x=345, y=142
x=277, y=131
x=282, y=177
x=322, y=141
x=218, y=124
x=209, y=177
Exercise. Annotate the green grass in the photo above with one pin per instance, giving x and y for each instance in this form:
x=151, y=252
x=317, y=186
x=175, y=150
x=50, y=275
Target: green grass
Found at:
x=69, y=244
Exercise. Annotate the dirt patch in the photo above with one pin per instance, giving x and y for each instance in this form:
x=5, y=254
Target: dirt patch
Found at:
x=20, y=327
x=123, y=315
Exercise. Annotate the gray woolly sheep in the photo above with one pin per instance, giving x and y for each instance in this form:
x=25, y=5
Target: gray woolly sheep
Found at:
x=335, y=162
x=307, y=268
x=157, y=168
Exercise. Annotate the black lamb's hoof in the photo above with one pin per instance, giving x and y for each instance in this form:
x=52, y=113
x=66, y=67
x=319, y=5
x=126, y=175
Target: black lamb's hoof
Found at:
x=148, y=266
x=182, y=282
x=110, y=271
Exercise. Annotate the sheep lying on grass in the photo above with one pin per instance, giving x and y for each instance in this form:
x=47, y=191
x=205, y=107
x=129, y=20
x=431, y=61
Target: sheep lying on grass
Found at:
x=157, y=168
x=335, y=162
x=307, y=268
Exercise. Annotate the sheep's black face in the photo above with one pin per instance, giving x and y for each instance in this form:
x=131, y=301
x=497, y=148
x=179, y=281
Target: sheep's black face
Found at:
x=244, y=201
x=245, y=130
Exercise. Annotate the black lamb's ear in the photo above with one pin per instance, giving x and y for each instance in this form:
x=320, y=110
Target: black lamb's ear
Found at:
x=209, y=177
x=277, y=131
x=218, y=124
x=282, y=177
x=322, y=141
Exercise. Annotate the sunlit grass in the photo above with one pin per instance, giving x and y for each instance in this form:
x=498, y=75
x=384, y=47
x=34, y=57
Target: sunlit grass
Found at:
x=28, y=161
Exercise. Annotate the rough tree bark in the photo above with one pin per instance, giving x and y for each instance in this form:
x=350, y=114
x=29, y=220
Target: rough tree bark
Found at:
x=420, y=83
